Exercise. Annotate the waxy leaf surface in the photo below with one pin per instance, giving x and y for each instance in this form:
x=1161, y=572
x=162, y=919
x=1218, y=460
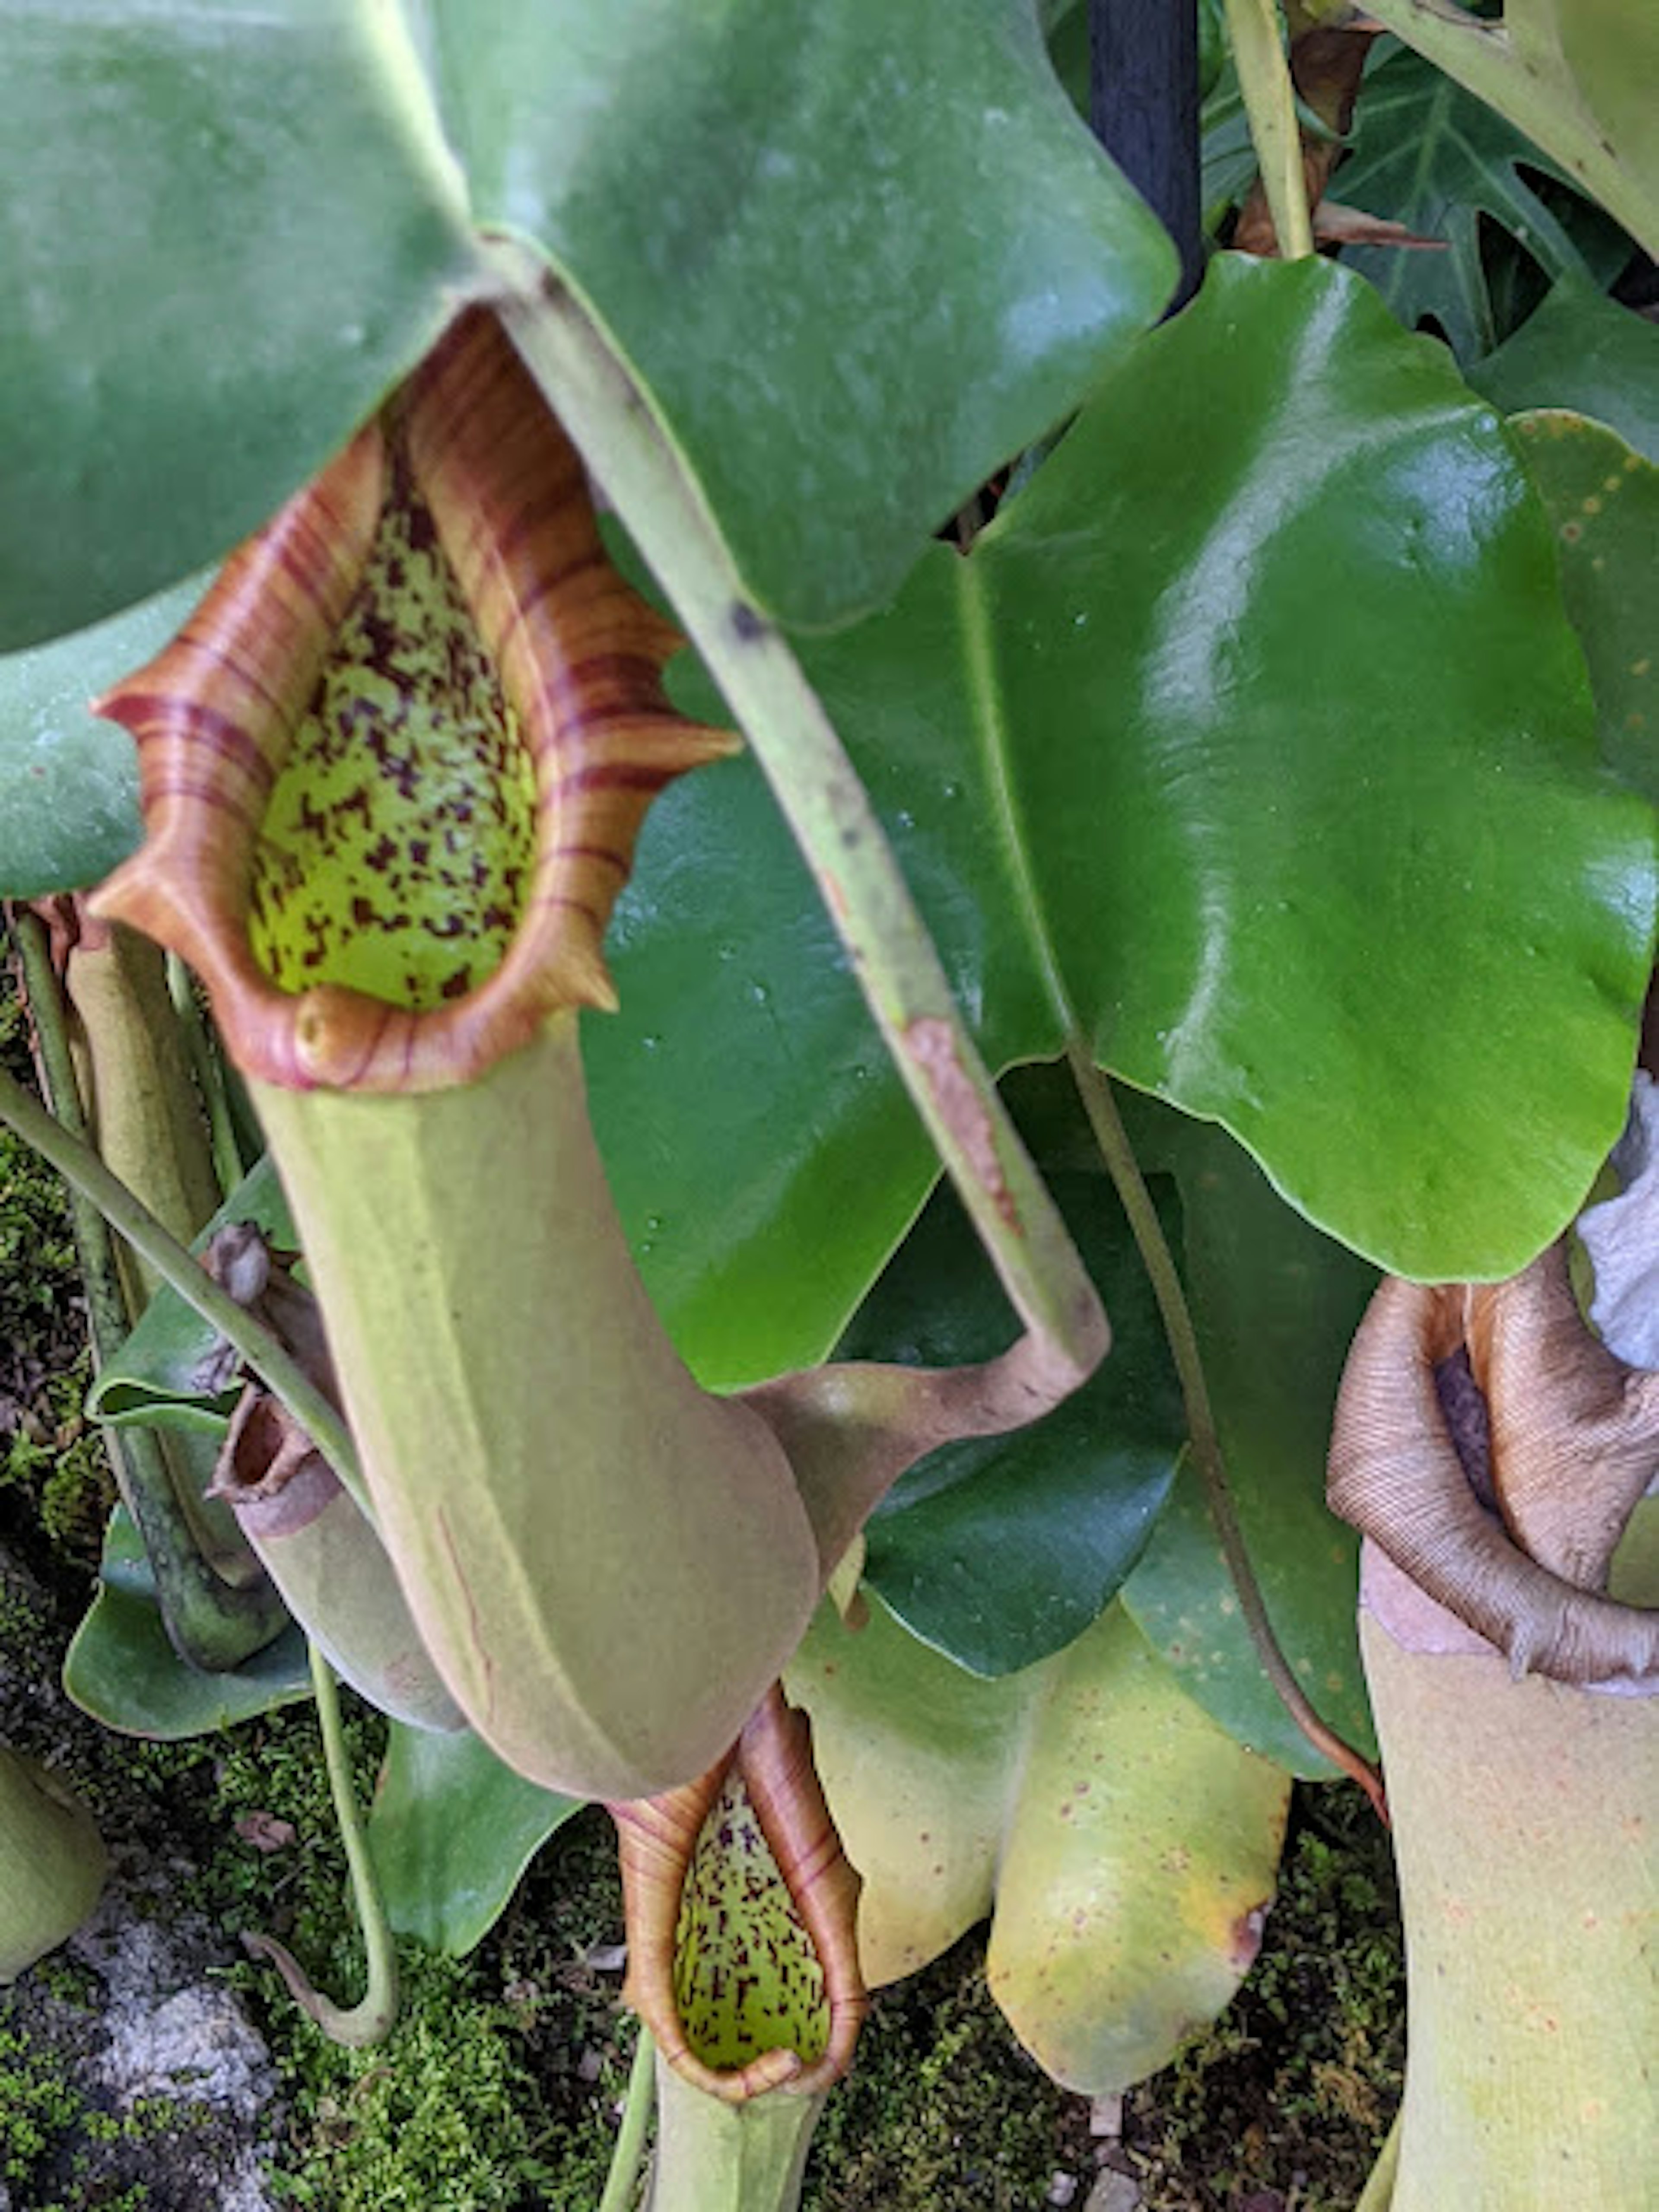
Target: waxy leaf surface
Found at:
x=451, y=1831
x=69, y=781
x=1252, y=737
x=1274, y=1305
x=1585, y=351
x=225, y=230
x=122, y=1669
x=1003, y=1550
x=802, y=227
x=1300, y=746
x=1604, y=502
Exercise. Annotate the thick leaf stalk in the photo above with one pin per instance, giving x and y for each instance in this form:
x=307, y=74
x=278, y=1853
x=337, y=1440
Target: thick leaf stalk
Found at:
x=392, y=771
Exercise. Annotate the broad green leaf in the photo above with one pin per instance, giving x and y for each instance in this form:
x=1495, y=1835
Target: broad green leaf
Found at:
x=225, y=231
x=451, y=1831
x=1271, y=717
x=1124, y=1844
x=122, y=1669
x=158, y=1370
x=801, y=227
x=1431, y=156
x=1604, y=502
x=1582, y=350
x=1257, y=732
x=763, y=1156
x=1003, y=1550
x=69, y=781
x=1274, y=1305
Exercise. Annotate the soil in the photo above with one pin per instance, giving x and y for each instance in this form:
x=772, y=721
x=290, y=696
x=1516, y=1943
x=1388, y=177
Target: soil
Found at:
x=150, y=2062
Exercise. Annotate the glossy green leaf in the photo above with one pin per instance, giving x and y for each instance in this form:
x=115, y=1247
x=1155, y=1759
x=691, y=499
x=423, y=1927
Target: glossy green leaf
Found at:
x=1274, y=1305
x=451, y=1831
x=68, y=782
x=1582, y=350
x=1271, y=718
x=122, y=1669
x=1003, y=1550
x=744, y=1105
x=225, y=231
x=800, y=226
x=1433, y=156
x=1604, y=502
x=1256, y=731
x=159, y=1369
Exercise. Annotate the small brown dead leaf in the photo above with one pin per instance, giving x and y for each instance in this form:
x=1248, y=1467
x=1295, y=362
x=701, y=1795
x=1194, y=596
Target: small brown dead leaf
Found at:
x=264, y=1831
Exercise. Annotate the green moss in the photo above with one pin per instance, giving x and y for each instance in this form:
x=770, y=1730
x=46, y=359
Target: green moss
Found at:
x=943, y=2106
x=1300, y=2076
x=64, y=1469
x=444, y=2114
x=51, y=1459
x=38, y=2108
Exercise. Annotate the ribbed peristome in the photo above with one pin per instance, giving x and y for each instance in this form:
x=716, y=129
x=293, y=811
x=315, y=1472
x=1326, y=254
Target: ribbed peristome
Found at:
x=393, y=767
x=741, y=1919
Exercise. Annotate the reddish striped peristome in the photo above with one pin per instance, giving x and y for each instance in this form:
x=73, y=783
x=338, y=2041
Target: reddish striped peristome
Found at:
x=580, y=658
x=656, y=1838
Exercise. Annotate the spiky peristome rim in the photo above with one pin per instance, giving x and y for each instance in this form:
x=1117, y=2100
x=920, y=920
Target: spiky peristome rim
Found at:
x=657, y=1841
x=579, y=656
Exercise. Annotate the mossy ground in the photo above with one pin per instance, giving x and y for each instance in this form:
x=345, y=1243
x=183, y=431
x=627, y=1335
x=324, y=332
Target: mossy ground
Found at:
x=501, y=2084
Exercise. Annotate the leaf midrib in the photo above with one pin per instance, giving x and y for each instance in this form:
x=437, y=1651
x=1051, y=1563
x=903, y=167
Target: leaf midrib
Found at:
x=990, y=725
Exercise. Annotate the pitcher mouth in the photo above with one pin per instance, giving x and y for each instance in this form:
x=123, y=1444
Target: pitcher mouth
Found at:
x=741, y=1910
x=393, y=767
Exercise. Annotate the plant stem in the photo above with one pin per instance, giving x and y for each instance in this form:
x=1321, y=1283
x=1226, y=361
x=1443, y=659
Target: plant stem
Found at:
x=1094, y=1089
x=212, y=1622
x=370, y=2020
x=1264, y=79
x=621, y=2181
x=87, y=1176
x=228, y=1164
x=834, y=822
